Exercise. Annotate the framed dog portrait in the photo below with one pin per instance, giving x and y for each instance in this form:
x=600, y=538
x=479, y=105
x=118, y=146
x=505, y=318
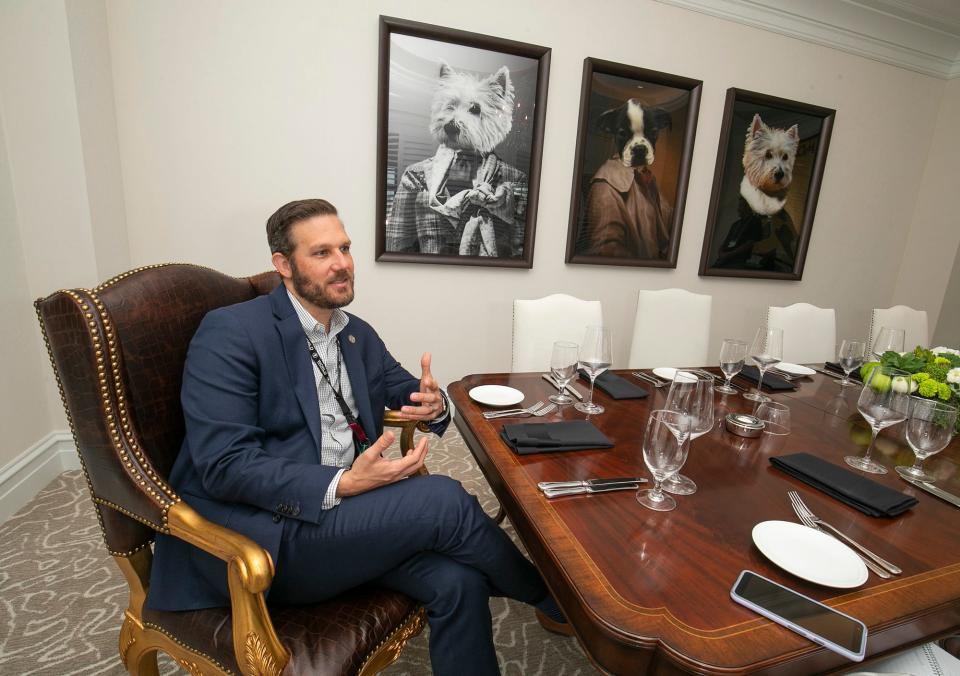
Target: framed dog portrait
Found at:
x=460, y=134
x=765, y=188
x=634, y=145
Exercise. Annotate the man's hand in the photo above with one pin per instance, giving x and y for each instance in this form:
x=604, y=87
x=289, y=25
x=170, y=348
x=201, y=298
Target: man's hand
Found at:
x=371, y=470
x=429, y=399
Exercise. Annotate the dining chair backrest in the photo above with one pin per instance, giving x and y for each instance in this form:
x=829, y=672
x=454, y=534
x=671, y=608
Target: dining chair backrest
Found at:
x=913, y=322
x=538, y=323
x=671, y=328
x=809, y=332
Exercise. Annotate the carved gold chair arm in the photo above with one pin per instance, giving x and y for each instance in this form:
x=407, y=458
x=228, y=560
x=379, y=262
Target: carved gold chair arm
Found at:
x=394, y=419
x=249, y=572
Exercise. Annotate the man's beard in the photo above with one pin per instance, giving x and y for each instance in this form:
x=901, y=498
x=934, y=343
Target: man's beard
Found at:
x=315, y=292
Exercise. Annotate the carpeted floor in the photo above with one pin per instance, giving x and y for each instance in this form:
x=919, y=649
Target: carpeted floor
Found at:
x=62, y=597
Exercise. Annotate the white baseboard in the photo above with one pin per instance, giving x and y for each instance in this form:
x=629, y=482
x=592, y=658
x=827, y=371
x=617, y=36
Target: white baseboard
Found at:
x=23, y=477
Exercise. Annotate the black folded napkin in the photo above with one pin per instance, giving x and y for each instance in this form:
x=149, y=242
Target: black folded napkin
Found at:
x=852, y=489
x=616, y=387
x=569, y=435
x=775, y=383
x=834, y=366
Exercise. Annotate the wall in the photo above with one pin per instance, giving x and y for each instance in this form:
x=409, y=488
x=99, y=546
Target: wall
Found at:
x=226, y=111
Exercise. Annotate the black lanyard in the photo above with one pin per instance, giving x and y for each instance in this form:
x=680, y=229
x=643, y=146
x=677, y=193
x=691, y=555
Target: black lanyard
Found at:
x=360, y=439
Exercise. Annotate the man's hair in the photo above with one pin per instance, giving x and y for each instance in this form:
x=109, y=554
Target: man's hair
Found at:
x=284, y=218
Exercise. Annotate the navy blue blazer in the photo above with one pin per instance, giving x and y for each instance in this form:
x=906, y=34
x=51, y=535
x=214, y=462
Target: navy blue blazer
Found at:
x=250, y=459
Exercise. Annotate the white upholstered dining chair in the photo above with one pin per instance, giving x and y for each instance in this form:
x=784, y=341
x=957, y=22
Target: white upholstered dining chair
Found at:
x=913, y=322
x=809, y=332
x=672, y=328
x=540, y=322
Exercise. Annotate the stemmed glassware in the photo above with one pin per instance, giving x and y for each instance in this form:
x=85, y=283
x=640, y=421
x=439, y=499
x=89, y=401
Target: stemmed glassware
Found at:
x=884, y=401
x=664, y=454
x=766, y=350
x=691, y=394
x=563, y=367
x=733, y=353
x=850, y=357
x=594, y=359
x=929, y=430
x=888, y=339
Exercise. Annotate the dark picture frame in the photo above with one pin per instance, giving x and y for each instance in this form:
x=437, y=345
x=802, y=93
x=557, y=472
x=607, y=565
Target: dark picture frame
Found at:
x=626, y=209
x=756, y=228
x=459, y=145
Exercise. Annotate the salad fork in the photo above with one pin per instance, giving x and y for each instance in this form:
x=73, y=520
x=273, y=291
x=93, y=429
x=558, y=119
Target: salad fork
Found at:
x=650, y=379
x=531, y=410
x=801, y=509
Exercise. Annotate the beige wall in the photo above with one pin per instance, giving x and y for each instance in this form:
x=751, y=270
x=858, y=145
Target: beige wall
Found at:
x=141, y=132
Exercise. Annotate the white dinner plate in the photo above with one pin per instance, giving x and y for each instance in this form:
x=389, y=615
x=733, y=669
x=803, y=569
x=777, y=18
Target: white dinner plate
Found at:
x=795, y=369
x=669, y=373
x=495, y=395
x=810, y=554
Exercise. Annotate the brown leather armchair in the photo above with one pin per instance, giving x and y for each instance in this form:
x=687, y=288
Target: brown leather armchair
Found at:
x=118, y=352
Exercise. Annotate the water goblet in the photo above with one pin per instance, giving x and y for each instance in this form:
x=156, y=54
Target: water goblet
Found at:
x=563, y=367
x=889, y=339
x=775, y=417
x=692, y=396
x=766, y=351
x=594, y=359
x=850, y=357
x=663, y=454
x=733, y=353
x=884, y=401
x=929, y=430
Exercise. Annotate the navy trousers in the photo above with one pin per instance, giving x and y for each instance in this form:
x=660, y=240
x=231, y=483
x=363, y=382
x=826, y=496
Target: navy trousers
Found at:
x=426, y=537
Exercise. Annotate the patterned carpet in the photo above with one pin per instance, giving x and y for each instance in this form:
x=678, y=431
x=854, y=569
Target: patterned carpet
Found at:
x=62, y=597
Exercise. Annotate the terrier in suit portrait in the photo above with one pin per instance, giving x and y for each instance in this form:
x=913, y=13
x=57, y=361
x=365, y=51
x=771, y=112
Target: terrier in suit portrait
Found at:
x=764, y=236
x=464, y=200
x=625, y=214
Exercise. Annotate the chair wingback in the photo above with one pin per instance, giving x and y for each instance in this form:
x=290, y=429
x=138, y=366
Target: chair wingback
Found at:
x=672, y=328
x=809, y=332
x=538, y=323
x=118, y=352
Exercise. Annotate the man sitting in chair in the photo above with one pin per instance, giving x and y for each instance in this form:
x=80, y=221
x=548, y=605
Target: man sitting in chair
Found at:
x=283, y=398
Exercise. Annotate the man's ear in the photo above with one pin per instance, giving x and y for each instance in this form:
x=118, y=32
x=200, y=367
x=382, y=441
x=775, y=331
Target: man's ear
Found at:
x=282, y=264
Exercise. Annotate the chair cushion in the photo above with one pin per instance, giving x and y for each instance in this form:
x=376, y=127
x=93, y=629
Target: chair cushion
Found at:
x=333, y=637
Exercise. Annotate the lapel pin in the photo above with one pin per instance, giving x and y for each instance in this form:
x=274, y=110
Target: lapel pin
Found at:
x=351, y=338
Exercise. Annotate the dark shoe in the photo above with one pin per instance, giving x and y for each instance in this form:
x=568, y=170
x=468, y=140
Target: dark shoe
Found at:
x=562, y=628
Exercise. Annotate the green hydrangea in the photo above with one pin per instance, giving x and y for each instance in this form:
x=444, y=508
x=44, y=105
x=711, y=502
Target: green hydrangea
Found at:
x=929, y=388
x=937, y=371
x=942, y=361
x=920, y=377
x=944, y=391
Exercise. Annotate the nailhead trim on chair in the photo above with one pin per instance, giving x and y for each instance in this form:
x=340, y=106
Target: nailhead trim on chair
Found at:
x=127, y=513
x=180, y=643
x=400, y=629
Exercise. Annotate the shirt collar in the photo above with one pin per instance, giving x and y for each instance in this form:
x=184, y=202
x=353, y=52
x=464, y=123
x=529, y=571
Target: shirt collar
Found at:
x=338, y=319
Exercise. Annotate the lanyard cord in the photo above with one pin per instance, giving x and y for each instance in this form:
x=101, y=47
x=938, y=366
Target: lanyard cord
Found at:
x=352, y=421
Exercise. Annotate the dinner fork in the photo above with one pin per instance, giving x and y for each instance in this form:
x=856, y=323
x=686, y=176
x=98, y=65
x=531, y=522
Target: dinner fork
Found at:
x=810, y=523
x=538, y=413
x=529, y=409
x=789, y=377
x=800, y=507
x=650, y=379
x=535, y=410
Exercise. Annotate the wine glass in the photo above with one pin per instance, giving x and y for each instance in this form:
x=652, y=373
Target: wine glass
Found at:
x=884, y=401
x=733, y=353
x=850, y=357
x=929, y=430
x=888, y=339
x=765, y=350
x=594, y=359
x=775, y=417
x=664, y=454
x=563, y=366
x=691, y=394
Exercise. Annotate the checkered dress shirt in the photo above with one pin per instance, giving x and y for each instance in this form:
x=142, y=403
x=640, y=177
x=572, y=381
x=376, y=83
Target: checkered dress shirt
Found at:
x=336, y=438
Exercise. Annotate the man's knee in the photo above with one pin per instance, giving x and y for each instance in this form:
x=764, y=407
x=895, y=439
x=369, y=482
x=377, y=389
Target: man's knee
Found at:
x=457, y=587
x=449, y=495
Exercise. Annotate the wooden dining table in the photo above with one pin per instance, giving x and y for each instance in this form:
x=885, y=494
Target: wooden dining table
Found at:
x=649, y=592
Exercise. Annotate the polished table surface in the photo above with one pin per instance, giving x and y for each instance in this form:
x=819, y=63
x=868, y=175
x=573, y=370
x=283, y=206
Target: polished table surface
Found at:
x=649, y=592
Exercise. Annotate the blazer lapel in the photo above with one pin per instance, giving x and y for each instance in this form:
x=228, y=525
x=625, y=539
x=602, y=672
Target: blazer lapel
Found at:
x=297, y=359
x=358, y=381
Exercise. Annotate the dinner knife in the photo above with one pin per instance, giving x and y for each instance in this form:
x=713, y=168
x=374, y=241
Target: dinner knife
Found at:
x=577, y=490
x=544, y=485
x=936, y=490
x=569, y=388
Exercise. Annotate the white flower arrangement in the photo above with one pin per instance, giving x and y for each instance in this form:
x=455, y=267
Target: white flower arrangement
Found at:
x=953, y=376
